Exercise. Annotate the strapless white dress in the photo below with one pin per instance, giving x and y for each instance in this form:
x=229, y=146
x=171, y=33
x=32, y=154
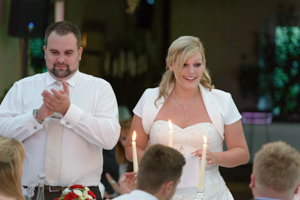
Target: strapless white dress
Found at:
x=192, y=136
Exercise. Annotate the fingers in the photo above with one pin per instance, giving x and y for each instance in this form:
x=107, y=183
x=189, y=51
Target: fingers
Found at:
x=113, y=183
x=197, y=153
x=127, y=182
x=110, y=179
x=51, y=97
x=49, y=100
x=133, y=180
x=58, y=94
x=57, y=101
x=125, y=177
x=65, y=86
x=128, y=177
x=209, y=162
x=48, y=105
x=209, y=158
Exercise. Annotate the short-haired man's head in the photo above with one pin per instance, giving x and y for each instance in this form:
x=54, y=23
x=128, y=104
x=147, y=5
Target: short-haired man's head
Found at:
x=277, y=166
x=160, y=164
x=63, y=28
x=12, y=154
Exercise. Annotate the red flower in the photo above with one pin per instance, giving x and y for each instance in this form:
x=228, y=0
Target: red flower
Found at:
x=71, y=196
x=56, y=199
x=76, y=186
x=92, y=194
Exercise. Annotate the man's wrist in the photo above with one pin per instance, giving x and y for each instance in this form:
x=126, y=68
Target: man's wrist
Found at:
x=35, y=112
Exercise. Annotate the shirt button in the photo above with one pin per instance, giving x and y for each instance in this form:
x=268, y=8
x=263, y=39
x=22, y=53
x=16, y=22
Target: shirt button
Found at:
x=67, y=123
x=34, y=127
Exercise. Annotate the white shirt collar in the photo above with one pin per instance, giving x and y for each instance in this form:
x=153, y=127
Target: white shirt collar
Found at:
x=71, y=81
x=144, y=194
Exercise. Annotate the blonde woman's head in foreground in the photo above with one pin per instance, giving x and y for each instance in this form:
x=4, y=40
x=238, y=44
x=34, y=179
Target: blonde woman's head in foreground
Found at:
x=12, y=154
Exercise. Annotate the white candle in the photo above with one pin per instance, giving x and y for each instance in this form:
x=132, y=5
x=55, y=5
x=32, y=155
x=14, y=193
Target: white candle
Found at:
x=170, y=134
x=202, y=169
x=134, y=153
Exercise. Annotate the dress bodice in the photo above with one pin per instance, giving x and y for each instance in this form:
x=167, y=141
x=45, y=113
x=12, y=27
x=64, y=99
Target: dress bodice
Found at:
x=189, y=136
x=186, y=140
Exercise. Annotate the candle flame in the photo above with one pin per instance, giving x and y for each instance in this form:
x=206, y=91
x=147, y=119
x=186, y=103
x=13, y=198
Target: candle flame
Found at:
x=170, y=124
x=204, y=139
x=133, y=136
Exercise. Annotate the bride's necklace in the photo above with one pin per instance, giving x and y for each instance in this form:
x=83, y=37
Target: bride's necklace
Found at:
x=185, y=107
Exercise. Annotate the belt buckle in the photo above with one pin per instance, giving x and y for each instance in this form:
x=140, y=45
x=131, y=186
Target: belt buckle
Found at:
x=54, y=188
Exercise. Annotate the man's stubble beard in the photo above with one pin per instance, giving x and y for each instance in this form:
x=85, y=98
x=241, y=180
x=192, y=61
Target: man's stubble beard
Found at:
x=62, y=73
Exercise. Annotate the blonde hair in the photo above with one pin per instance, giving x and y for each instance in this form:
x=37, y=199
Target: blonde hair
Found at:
x=120, y=151
x=12, y=154
x=277, y=166
x=182, y=49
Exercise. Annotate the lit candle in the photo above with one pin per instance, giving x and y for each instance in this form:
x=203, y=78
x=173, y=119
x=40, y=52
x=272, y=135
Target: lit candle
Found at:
x=170, y=134
x=134, y=153
x=202, y=169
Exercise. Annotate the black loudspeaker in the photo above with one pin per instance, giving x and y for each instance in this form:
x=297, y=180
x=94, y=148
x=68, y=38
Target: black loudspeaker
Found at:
x=28, y=18
x=145, y=14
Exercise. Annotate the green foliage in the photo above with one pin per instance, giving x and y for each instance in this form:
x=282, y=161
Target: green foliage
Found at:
x=279, y=62
x=287, y=77
x=36, y=56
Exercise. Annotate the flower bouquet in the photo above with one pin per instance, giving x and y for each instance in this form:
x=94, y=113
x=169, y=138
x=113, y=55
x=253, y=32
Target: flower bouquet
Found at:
x=77, y=192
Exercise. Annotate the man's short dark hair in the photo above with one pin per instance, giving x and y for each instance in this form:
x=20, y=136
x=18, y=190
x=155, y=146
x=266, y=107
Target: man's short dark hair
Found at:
x=160, y=164
x=63, y=28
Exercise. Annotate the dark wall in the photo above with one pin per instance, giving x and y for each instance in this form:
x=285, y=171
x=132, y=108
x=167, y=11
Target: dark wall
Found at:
x=227, y=29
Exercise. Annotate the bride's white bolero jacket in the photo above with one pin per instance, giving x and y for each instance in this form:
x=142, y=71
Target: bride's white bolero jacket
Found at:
x=219, y=105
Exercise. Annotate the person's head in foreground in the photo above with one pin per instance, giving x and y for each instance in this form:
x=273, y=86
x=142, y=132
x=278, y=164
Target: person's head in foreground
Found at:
x=12, y=154
x=159, y=171
x=276, y=171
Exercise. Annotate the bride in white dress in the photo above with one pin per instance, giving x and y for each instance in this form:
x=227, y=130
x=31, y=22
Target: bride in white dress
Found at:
x=186, y=97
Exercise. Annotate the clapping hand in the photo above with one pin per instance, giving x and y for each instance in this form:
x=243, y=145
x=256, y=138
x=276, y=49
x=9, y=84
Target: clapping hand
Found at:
x=59, y=101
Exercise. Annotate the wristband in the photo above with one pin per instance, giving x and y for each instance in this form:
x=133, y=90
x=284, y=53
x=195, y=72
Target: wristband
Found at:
x=35, y=111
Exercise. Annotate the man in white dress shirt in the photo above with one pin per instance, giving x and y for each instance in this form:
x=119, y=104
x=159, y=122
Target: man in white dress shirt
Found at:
x=276, y=172
x=159, y=174
x=86, y=105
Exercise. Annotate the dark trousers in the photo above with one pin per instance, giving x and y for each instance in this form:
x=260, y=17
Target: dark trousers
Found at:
x=53, y=195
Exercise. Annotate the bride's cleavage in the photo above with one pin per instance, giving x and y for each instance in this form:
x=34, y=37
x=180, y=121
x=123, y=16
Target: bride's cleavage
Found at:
x=199, y=123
